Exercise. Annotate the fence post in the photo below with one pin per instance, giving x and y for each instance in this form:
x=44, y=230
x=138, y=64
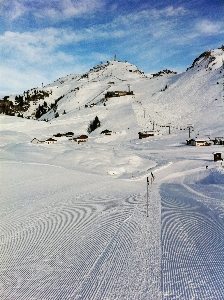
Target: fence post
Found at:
x=147, y=198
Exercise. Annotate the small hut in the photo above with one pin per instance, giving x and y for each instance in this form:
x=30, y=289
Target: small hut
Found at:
x=36, y=141
x=217, y=156
x=106, y=132
x=189, y=141
x=69, y=134
x=200, y=142
x=58, y=135
x=81, y=138
x=143, y=135
x=50, y=141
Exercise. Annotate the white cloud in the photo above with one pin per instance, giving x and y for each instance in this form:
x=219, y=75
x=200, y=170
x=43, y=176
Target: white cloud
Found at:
x=52, y=9
x=169, y=11
x=147, y=34
x=209, y=28
x=70, y=8
x=12, y=10
x=29, y=58
x=36, y=47
x=199, y=30
x=154, y=15
x=40, y=52
x=151, y=23
x=16, y=81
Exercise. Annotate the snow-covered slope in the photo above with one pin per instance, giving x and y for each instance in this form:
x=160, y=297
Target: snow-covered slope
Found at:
x=80, y=221
x=193, y=95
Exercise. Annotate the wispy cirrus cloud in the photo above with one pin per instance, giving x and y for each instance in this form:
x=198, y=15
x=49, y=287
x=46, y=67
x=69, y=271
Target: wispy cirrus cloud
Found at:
x=53, y=9
x=45, y=54
x=157, y=27
x=199, y=30
x=19, y=80
x=35, y=46
x=209, y=28
x=11, y=10
x=169, y=11
x=150, y=36
x=152, y=15
x=47, y=46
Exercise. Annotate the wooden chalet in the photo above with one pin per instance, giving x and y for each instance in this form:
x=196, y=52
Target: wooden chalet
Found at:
x=217, y=156
x=111, y=94
x=58, y=135
x=69, y=134
x=50, y=141
x=143, y=135
x=218, y=141
x=81, y=138
x=200, y=142
x=36, y=141
x=106, y=132
x=189, y=141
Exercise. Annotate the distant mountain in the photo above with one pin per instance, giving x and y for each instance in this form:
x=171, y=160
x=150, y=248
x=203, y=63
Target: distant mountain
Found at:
x=208, y=59
x=164, y=92
x=163, y=72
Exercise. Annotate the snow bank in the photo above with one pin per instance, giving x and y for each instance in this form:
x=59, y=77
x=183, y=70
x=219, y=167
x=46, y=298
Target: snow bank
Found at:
x=216, y=176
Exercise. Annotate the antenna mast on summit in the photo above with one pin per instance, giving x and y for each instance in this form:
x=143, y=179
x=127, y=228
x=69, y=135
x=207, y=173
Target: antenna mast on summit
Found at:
x=115, y=58
x=223, y=79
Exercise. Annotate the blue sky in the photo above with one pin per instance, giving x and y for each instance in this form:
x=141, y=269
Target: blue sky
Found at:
x=41, y=40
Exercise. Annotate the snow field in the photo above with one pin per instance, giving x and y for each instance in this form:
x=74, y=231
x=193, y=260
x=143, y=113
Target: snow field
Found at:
x=73, y=217
x=58, y=250
x=192, y=246
x=70, y=232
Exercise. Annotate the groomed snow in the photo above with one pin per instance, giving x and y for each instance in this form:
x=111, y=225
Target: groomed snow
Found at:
x=73, y=216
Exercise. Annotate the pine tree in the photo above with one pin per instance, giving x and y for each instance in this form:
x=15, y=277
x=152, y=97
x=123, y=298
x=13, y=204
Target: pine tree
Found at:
x=94, y=124
x=38, y=115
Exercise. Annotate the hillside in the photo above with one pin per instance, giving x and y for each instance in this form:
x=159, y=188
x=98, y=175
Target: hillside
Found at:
x=115, y=216
x=195, y=94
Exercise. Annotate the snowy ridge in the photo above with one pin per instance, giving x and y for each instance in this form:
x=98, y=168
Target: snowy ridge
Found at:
x=194, y=93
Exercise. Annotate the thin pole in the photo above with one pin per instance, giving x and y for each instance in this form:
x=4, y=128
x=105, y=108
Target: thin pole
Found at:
x=189, y=129
x=147, y=198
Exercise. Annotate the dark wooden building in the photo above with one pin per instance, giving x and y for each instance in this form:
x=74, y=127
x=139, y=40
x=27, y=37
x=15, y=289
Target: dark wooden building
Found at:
x=217, y=156
x=143, y=135
x=117, y=94
x=106, y=132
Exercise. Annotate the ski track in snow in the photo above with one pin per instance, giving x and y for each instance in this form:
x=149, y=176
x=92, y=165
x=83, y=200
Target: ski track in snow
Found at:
x=61, y=252
x=192, y=246
x=79, y=260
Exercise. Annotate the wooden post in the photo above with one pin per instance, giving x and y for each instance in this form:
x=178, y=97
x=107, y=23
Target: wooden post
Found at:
x=189, y=128
x=147, y=198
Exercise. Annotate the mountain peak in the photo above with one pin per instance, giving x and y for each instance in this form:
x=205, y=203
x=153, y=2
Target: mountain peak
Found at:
x=69, y=96
x=114, y=68
x=209, y=58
